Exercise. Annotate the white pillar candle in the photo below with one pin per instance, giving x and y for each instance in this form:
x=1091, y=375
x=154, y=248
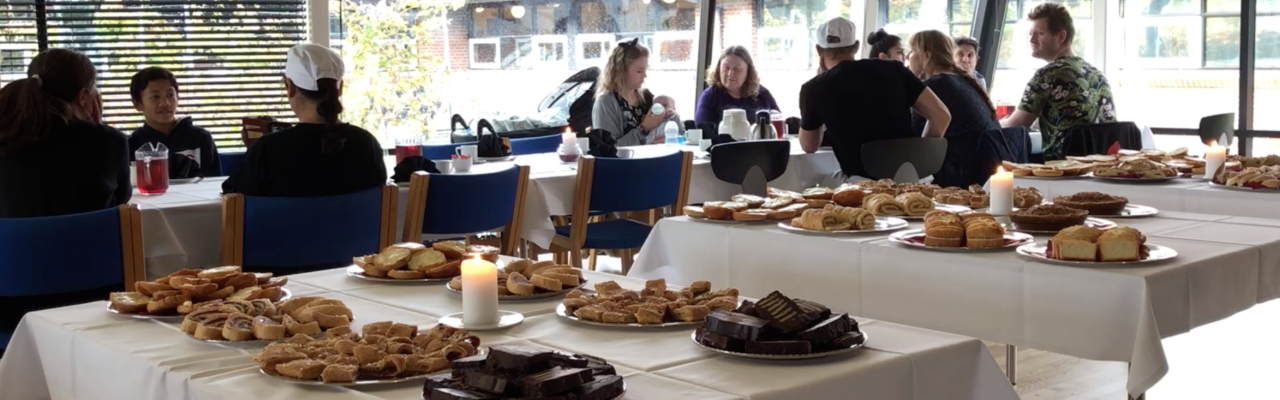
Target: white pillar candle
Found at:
x=568, y=137
x=479, y=292
x=1001, y=192
x=1214, y=158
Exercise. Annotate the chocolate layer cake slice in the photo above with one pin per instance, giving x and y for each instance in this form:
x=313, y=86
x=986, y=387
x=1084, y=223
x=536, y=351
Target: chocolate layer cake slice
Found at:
x=601, y=388
x=734, y=325
x=513, y=359
x=553, y=381
x=827, y=329
x=783, y=312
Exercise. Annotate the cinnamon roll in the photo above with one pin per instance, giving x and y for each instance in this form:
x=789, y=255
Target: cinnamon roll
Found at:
x=197, y=317
x=819, y=220
x=915, y=204
x=238, y=328
x=211, y=329
x=268, y=329
x=883, y=205
x=262, y=307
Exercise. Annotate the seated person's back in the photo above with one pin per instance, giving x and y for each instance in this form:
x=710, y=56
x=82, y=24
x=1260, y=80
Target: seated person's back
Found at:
x=54, y=159
x=321, y=156
x=970, y=112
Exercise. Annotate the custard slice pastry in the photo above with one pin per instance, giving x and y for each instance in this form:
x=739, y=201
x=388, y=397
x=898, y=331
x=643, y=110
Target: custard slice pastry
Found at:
x=268, y=329
x=238, y=328
x=915, y=204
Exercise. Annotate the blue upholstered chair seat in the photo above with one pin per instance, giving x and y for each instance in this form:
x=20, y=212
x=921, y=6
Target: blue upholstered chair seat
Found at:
x=615, y=234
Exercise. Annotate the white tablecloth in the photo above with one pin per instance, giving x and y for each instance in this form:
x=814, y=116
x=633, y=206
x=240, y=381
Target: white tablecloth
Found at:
x=182, y=228
x=1189, y=195
x=1104, y=314
x=82, y=352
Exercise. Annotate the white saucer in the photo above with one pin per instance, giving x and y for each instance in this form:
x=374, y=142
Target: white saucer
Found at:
x=506, y=319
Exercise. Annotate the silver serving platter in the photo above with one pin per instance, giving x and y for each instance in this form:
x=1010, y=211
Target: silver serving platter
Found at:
x=620, y=395
x=1155, y=253
x=364, y=382
x=732, y=222
x=694, y=336
x=1133, y=211
x=1117, y=179
x=939, y=206
x=1093, y=222
x=1243, y=188
x=535, y=296
x=883, y=224
x=563, y=313
x=246, y=344
x=285, y=295
x=1015, y=239
x=355, y=271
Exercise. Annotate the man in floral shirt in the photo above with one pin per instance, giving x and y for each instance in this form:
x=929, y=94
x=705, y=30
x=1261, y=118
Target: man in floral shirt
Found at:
x=1066, y=93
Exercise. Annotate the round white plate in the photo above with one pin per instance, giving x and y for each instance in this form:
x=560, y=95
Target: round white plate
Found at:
x=883, y=224
x=694, y=336
x=1133, y=211
x=481, y=160
x=355, y=271
x=1155, y=253
x=915, y=238
x=1053, y=178
x=506, y=319
x=939, y=206
x=1243, y=188
x=1116, y=179
x=563, y=313
x=535, y=296
x=285, y=295
x=1094, y=222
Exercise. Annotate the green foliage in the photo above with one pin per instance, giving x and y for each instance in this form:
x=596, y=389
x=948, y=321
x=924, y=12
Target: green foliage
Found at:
x=389, y=82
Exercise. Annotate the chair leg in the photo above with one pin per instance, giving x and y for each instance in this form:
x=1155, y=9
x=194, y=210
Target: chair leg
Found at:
x=591, y=259
x=627, y=260
x=575, y=258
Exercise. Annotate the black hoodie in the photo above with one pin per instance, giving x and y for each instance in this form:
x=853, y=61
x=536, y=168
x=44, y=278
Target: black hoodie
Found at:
x=185, y=140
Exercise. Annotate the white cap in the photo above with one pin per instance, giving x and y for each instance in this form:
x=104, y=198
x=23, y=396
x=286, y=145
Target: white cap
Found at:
x=309, y=62
x=838, y=32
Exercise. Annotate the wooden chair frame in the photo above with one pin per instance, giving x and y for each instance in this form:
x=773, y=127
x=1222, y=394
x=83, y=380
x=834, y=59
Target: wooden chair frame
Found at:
x=417, y=204
x=233, y=223
x=131, y=249
x=582, y=207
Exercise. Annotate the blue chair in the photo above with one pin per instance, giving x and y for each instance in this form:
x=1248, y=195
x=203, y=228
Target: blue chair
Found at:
x=230, y=162
x=467, y=204
x=535, y=145
x=442, y=151
x=609, y=185
x=291, y=232
x=37, y=271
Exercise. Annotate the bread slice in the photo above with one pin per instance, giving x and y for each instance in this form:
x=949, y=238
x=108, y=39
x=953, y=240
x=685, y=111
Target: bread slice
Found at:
x=566, y=280
x=219, y=273
x=452, y=249
x=149, y=288
x=392, y=258
x=545, y=282
x=241, y=281
x=426, y=260
x=168, y=304
x=446, y=270
x=129, y=302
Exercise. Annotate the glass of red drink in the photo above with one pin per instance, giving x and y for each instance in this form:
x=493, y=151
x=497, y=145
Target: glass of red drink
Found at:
x=779, y=123
x=1003, y=111
x=152, y=170
x=407, y=147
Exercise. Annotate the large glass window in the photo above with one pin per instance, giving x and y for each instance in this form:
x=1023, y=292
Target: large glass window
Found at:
x=905, y=17
x=487, y=59
x=1014, y=63
x=784, y=47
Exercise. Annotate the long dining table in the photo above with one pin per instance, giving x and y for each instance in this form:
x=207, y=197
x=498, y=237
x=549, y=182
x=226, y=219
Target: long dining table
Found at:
x=84, y=352
x=1224, y=265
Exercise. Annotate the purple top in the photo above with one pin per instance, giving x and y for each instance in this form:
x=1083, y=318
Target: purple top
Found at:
x=714, y=100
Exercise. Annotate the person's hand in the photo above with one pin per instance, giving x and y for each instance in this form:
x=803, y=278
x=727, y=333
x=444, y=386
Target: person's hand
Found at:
x=821, y=66
x=652, y=121
x=95, y=108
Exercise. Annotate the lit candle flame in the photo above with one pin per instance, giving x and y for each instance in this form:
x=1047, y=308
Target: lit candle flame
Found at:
x=1213, y=143
x=1000, y=169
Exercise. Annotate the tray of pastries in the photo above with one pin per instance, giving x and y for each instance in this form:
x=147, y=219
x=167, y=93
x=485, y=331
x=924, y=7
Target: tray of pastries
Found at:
x=746, y=209
x=889, y=187
x=976, y=197
x=173, y=296
x=1262, y=179
x=256, y=323
x=909, y=205
x=834, y=219
x=1058, y=169
x=1086, y=245
x=948, y=231
x=414, y=262
x=779, y=328
x=654, y=307
x=1136, y=170
x=528, y=280
x=382, y=353
x=1105, y=205
x=516, y=371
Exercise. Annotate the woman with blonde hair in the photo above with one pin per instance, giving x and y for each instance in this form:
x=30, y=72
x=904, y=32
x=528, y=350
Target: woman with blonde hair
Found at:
x=931, y=60
x=623, y=106
x=732, y=83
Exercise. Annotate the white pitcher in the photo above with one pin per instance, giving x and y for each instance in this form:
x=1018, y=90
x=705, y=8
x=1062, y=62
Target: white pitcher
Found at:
x=735, y=124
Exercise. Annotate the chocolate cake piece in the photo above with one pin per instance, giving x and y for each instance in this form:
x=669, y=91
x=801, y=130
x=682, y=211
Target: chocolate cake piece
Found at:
x=747, y=307
x=601, y=388
x=843, y=341
x=514, y=359
x=719, y=341
x=553, y=381
x=734, y=325
x=598, y=366
x=473, y=363
x=827, y=329
x=493, y=384
x=567, y=360
x=780, y=347
x=443, y=380
x=459, y=394
x=813, y=309
x=783, y=312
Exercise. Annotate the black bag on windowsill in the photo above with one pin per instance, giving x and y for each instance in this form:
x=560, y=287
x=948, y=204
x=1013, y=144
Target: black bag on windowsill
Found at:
x=405, y=169
x=491, y=145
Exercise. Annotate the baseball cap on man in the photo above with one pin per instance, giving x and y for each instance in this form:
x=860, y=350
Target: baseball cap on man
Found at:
x=308, y=62
x=838, y=32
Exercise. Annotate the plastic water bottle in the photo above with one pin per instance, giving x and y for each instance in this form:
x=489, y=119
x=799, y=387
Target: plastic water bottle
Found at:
x=672, y=133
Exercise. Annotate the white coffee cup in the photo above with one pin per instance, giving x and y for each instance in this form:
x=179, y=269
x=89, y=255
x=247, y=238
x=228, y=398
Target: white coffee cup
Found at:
x=693, y=136
x=462, y=164
x=133, y=174
x=584, y=144
x=626, y=153
x=705, y=145
x=468, y=150
x=445, y=166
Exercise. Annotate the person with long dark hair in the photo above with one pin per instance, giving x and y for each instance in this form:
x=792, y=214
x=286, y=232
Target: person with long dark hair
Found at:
x=885, y=46
x=56, y=156
x=931, y=60
x=321, y=156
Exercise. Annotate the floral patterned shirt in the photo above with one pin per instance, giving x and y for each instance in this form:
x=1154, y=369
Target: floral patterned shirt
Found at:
x=1064, y=94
